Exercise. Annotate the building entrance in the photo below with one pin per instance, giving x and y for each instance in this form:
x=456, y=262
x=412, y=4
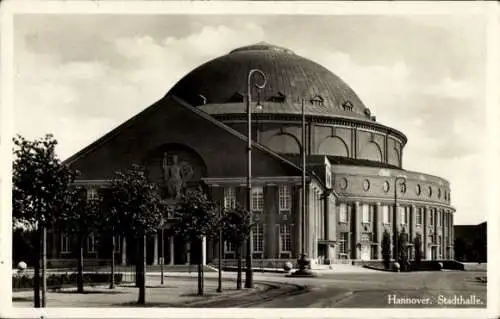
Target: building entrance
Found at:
x=365, y=252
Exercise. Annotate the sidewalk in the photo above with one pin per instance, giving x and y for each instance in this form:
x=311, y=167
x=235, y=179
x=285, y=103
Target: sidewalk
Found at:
x=176, y=292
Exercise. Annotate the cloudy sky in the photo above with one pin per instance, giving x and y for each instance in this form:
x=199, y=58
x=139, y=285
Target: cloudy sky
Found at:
x=80, y=76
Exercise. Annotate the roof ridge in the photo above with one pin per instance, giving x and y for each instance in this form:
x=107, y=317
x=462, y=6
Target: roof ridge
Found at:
x=230, y=130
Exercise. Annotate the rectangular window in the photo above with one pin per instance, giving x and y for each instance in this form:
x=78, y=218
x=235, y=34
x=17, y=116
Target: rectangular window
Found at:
x=229, y=247
x=257, y=198
x=343, y=243
x=385, y=214
x=284, y=197
x=118, y=243
x=419, y=216
x=229, y=198
x=439, y=246
x=258, y=238
x=403, y=215
x=285, y=239
x=343, y=213
x=366, y=213
x=91, y=243
x=431, y=222
x=92, y=194
x=65, y=244
x=366, y=237
x=328, y=178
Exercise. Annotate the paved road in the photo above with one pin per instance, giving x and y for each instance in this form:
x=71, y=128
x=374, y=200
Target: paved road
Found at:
x=388, y=290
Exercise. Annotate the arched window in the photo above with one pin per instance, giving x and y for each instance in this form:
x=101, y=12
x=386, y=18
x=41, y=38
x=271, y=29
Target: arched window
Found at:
x=334, y=146
x=283, y=143
x=371, y=151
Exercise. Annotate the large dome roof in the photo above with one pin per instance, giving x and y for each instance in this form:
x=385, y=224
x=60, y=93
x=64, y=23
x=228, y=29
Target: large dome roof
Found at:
x=219, y=85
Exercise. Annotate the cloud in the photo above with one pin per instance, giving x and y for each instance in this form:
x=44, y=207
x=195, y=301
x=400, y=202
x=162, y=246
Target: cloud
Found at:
x=423, y=77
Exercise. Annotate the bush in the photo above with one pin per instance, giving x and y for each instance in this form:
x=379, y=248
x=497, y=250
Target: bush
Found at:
x=25, y=281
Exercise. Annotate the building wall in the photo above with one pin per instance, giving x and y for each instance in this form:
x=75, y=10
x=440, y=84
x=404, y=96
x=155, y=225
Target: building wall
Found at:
x=343, y=139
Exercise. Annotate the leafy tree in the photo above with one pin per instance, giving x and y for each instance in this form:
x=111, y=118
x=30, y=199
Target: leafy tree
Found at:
x=236, y=229
x=40, y=184
x=403, y=250
x=133, y=203
x=418, y=248
x=81, y=216
x=386, y=249
x=196, y=217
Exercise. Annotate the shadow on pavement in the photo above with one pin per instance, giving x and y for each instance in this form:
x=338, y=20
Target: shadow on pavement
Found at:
x=92, y=292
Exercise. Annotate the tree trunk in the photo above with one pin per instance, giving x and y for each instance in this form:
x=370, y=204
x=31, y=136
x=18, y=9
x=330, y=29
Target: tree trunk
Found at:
x=238, y=257
x=200, y=269
x=142, y=271
x=36, y=279
x=44, y=267
x=79, y=278
x=137, y=261
x=112, y=279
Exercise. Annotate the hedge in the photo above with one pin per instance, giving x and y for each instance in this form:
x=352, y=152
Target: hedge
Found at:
x=25, y=281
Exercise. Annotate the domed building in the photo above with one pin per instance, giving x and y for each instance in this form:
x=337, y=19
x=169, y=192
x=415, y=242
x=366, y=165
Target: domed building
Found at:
x=356, y=186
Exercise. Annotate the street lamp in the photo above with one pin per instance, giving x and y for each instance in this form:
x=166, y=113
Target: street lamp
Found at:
x=249, y=273
x=219, y=286
x=396, y=212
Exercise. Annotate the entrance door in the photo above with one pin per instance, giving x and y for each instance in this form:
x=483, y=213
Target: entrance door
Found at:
x=365, y=252
x=434, y=253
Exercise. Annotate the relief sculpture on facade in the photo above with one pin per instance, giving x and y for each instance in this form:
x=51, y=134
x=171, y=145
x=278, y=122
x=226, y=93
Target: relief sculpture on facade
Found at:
x=175, y=175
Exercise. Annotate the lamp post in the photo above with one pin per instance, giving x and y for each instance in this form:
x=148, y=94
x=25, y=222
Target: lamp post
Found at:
x=219, y=286
x=304, y=193
x=249, y=272
x=396, y=212
x=162, y=251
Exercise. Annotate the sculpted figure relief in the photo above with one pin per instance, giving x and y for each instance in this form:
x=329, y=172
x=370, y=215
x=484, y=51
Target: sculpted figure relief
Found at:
x=175, y=175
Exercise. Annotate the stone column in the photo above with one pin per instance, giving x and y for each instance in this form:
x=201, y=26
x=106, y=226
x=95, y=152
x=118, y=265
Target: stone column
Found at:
x=171, y=250
x=124, y=250
x=413, y=232
x=297, y=211
x=204, y=251
x=270, y=213
x=425, y=234
x=452, y=235
x=397, y=217
x=379, y=229
x=436, y=232
x=396, y=228
x=326, y=224
x=155, y=249
x=188, y=253
x=356, y=230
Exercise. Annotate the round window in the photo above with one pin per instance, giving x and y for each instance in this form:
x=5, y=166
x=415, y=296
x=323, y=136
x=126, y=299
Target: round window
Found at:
x=343, y=183
x=366, y=185
x=403, y=188
x=418, y=189
x=387, y=186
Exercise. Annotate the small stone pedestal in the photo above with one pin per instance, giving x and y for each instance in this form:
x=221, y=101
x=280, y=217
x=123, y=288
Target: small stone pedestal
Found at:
x=304, y=268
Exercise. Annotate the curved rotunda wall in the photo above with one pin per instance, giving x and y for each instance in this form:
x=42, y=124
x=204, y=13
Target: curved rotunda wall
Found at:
x=322, y=139
x=377, y=185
